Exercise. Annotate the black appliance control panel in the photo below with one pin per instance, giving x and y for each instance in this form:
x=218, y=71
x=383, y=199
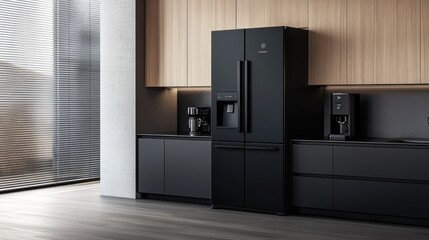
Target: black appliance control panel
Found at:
x=227, y=96
x=340, y=104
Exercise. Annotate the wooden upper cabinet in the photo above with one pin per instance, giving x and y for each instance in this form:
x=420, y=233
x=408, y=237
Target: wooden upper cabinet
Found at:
x=383, y=42
x=265, y=13
x=166, y=43
x=425, y=42
x=351, y=42
x=361, y=41
x=205, y=16
x=327, y=42
x=398, y=42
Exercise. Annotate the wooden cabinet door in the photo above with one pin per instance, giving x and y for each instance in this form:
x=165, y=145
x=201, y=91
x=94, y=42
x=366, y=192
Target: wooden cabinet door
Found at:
x=266, y=13
x=205, y=16
x=398, y=42
x=361, y=41
x=327, y=42
x=425, y=42
x=166, y=43
x=383, y=42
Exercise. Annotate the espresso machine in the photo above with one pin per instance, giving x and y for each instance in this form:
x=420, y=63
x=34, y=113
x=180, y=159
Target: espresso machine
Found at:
x=343, y=117
x=199, y=121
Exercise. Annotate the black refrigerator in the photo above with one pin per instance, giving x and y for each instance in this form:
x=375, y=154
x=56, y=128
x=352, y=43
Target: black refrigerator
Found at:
x=260, y=100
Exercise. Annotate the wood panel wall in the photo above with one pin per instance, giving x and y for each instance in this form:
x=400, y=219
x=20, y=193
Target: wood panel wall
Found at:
x=265, y=13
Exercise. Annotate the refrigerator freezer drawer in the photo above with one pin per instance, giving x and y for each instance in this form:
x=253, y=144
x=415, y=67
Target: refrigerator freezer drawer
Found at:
x=248, y=176
x=264, y=177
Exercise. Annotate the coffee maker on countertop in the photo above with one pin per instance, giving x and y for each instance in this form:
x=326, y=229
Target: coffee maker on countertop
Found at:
x=343, y=119
x=199, y=121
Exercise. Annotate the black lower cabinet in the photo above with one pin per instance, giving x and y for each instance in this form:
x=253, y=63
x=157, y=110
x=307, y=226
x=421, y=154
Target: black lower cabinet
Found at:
x=187, y=168
x=264, y=177
x=312, y=192
x=312, y=159
x=174, y=167
x=386, y=198
x=228, y=174
x=150, y=166
x=382, y=162
x=386, y=182
x=248, y=176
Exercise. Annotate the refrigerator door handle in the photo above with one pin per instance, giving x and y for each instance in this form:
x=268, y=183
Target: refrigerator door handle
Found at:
x=228, y=146
x=239, y=94
x=262, y=148
x=246, y=96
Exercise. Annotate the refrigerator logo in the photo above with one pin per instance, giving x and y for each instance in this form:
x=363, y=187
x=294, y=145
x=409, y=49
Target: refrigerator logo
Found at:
x=263, y=46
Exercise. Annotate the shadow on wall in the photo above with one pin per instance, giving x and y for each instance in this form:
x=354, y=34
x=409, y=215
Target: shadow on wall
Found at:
x=395, y=114
x=26, y=120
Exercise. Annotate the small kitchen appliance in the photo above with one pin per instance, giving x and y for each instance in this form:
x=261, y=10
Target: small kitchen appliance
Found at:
x=343, y=116
x=199, y=121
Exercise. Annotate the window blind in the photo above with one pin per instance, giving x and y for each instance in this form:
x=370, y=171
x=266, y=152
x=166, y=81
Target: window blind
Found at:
x=49, y=92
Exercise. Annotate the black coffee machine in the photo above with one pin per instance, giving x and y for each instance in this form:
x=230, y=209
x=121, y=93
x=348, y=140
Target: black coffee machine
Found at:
x=199, y=121
x=343, y=116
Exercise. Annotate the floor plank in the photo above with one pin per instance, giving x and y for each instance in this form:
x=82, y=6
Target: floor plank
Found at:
x=79, y=212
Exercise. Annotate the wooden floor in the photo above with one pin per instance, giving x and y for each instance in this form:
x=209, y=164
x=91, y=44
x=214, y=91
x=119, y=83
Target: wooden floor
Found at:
x=78, y=212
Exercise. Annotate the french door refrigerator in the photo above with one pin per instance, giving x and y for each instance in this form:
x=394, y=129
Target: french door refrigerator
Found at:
x=260, y=100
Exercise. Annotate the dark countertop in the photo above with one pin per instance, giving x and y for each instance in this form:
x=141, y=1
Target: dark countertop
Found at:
x=173, y=135
x=406, y=142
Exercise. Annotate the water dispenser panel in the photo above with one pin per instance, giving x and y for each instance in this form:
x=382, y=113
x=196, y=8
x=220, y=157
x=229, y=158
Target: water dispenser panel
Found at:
x=227, y=109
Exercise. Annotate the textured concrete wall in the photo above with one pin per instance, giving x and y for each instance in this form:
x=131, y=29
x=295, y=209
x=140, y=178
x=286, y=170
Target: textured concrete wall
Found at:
x=118, y=103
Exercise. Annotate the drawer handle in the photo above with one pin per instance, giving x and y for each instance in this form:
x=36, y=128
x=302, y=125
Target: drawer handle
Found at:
x=247, y=148
x=228, y=147
x=262, y=148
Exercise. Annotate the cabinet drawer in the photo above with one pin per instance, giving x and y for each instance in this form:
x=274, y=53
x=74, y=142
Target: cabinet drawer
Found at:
x=312, y=192
x=314, y=159
x=386, y=198
x=380, y=162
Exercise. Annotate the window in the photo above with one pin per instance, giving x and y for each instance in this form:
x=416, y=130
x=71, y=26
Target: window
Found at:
x=49, y=92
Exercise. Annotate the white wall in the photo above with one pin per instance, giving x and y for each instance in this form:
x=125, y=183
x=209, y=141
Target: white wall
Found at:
x=118, y=105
